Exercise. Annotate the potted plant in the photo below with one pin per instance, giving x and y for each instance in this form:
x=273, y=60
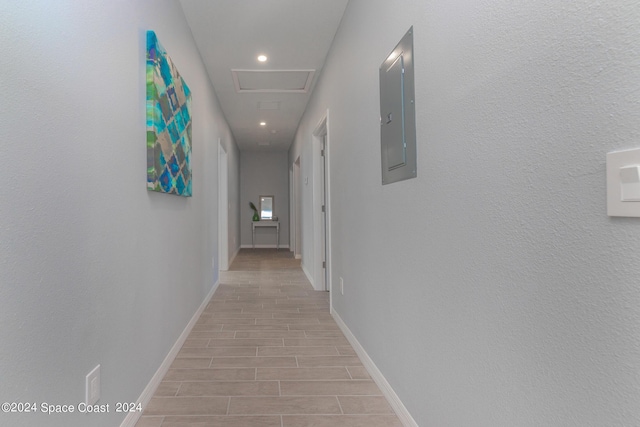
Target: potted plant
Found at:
x=256, y=217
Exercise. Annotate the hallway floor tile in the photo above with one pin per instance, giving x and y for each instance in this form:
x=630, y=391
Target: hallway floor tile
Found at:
x=266, y=352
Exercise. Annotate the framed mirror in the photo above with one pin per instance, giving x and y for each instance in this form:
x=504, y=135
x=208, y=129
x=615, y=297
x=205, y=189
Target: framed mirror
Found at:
x=266, y=207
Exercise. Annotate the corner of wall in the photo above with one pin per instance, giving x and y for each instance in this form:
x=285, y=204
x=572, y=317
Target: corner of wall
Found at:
x=308, y=274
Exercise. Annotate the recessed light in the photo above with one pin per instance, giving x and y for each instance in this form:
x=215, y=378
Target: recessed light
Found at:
x=263, y=123
x=262, y=58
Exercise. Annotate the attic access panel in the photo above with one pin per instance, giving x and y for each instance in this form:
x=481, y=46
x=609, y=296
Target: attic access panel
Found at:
x=272, y=81
x=398, y=113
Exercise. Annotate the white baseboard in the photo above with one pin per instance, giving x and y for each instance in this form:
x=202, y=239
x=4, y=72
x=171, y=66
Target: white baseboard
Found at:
x=395, y=402
x=306, y=273
x=298, y=256
x=133, y=417
x=264, y=246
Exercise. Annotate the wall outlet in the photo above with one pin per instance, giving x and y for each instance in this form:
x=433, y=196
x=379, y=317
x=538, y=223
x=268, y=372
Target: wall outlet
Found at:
x=341, y=286
x=92, y=386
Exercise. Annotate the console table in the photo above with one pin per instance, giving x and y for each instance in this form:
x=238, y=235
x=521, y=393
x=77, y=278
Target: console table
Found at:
x=275, y=224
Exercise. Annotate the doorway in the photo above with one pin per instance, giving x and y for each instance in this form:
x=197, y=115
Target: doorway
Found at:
x=223, y=208
x=297, y=210
x=321, y=198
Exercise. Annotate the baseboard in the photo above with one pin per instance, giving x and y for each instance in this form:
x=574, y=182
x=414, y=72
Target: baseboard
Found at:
x=133, y=417
x=298, y=256
x=395, y=402
x=306, y=273
x=264, y=247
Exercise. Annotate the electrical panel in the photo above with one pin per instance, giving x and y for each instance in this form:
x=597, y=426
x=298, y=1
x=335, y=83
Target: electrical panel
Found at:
x=398, y=113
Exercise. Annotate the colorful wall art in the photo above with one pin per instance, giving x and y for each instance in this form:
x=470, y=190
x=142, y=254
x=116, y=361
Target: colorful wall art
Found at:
x=168, y=124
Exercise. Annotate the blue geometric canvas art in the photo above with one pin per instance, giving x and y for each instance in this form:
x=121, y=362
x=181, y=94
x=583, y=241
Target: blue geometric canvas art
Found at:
x=168, y=124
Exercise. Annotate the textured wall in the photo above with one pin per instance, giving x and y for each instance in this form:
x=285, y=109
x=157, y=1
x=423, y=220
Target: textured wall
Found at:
x=264, y=173
x=93, y=268
x=492, y=290
x=307, y=148
x=233, y=158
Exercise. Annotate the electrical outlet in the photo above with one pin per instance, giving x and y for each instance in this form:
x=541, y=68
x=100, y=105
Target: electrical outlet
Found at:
x=341, y=286
x=92, y=386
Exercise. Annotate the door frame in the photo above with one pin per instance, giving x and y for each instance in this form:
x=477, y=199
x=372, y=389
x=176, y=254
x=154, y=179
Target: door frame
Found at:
x=296, y=210
x=322, y=186
x=223, y=208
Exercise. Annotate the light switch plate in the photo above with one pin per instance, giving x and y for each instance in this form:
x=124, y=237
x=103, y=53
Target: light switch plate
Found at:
x=619, y=168
x=630, y=183
x=92, y=386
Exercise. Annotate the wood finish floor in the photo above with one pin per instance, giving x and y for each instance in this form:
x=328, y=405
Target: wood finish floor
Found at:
x=266, y=353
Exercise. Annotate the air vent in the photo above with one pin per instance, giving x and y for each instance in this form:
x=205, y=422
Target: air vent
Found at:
x=274, y=81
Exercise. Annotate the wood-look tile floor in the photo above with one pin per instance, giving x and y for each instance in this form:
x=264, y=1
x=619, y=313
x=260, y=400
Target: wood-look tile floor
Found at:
x=266, y=353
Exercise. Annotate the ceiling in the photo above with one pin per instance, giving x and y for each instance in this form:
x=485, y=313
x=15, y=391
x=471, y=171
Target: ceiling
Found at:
x=295, y=35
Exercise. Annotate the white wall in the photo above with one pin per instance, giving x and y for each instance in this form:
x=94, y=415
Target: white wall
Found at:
x=93, y=268
x=492, y=290
x=264, y=173
x=306, y=148
x=233, y=194
x=233, y=158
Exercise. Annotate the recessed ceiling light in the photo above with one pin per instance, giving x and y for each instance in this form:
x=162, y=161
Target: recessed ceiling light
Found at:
x=263, y=123
x=262, y=58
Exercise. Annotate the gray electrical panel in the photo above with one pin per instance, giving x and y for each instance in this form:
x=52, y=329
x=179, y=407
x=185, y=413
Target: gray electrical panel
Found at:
x=398, y=113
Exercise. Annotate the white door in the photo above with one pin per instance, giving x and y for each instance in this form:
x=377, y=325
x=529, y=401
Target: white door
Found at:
x=321, y=206
x=297, y=211
x=223, y=208
x=323, y=197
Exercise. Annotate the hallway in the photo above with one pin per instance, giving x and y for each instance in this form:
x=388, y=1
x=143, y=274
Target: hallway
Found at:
x=496, y=288
x=266, y=352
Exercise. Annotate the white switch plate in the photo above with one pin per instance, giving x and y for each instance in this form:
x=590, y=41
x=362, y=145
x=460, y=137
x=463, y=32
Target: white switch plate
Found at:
x=92, y=386
x=630, y=183
x=616, y=161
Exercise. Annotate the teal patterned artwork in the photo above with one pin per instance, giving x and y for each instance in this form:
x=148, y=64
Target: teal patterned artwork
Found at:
x=168, y=124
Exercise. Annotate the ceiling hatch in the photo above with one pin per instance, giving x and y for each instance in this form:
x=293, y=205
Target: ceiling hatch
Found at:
x=274, y=81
